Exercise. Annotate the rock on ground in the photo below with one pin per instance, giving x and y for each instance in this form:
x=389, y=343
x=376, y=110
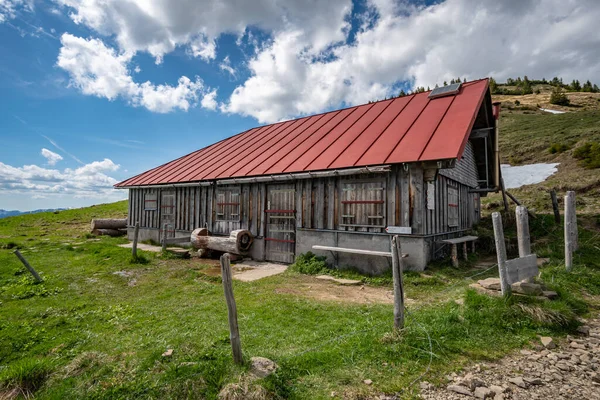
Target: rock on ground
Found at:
x=570, y=370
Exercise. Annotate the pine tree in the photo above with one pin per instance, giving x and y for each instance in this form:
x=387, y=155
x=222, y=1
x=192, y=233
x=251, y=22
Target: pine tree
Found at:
x=559, y=97
x=493, y=86
x=575, y=85
x=587, y=86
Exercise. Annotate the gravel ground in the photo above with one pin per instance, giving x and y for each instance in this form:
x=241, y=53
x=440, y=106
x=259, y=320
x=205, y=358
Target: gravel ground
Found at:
x=568, y=371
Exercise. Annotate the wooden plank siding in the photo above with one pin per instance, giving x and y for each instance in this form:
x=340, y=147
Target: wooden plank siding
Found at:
x=376, y=200
x=318, y=204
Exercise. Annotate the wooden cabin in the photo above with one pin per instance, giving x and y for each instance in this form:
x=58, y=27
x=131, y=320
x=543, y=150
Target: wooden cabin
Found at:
x=416, y=164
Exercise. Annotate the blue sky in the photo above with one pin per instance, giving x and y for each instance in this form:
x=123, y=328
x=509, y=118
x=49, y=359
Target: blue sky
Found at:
x=94, y=92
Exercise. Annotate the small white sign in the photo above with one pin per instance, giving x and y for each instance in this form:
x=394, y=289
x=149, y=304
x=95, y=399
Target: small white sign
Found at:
x=407, y=230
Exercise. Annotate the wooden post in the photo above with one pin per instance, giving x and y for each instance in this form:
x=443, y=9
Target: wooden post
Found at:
x=503, y=189
x=29, y=267
x=234, y=334
x=523, y=237
x=555, y=206
x=164, y=238
x=454, y=255
x=398, y=288
x=501, y=254
x=465, y=251
x=574, y=229
x=569, y=213
x=523, y=231
x=136, y=232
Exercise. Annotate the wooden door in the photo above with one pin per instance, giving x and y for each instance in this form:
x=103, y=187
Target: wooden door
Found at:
x=167, y=212
x=280, y=217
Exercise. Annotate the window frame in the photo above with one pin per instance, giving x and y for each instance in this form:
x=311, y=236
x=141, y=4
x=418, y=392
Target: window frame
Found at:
x=349, y=220
x=147, y=200
x=452, y=207
x=228, y=198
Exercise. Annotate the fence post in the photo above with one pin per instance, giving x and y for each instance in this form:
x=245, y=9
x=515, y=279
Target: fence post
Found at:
x=29, y=267
x=397, y=268
x=555, y=206
x=164, y=238
x=574, y=229
x=523, y=237
x=501, y=254
x=136, y=232
x=234, y=334
x=569, y=236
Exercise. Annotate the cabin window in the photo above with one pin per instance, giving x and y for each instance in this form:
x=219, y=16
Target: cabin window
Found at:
x=168, y=204
x=150, y=202
x=362, y=204
x=452, y=207
x=228, y=205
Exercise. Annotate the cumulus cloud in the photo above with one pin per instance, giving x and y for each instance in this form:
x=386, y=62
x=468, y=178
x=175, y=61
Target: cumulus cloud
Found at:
x=101, y=71
x=314, y=59
x=424, y=46
x=90, y=180
x=51, y=156
x=209, y=101
x=158, y=27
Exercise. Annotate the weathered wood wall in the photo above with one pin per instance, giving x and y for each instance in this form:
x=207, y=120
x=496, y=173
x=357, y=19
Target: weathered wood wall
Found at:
x=399, y=198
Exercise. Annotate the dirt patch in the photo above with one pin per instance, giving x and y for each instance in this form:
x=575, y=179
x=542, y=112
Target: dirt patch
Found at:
x=310, y=287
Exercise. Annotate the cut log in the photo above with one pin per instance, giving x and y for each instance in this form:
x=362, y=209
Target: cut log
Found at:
x=109, y=232
x=109, y=224
x=238, y=241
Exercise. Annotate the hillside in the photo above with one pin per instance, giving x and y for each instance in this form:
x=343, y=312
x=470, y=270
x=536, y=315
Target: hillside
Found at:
x=527, y=134
x=99, y=323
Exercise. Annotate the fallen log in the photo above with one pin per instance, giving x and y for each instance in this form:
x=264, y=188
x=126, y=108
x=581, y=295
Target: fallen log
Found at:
x=238, y=241
x=109, y=232
x=109, y=223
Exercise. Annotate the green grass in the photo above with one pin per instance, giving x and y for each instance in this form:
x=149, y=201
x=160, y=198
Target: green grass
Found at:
x=97, y=325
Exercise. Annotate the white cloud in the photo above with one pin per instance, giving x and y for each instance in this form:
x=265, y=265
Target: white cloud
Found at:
x=9, y=8
x=51, y=156
x=98, y=70
x=203, y=48
x=209, y=101
x=225, y=65
x=90, y=180
x=159, y=26
x=310, y=63
x=422, y=45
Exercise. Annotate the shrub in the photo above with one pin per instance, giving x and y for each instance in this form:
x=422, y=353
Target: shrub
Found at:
x=588, y=154
x=559, y=97
x=558, y=148
x=309, y=264
x=517, y=103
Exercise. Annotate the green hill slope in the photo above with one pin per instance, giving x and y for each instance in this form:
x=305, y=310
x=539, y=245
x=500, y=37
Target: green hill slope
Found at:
x=527, y=136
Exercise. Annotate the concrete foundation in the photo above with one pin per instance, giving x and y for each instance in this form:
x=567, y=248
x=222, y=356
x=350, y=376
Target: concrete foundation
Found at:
x=415, y=247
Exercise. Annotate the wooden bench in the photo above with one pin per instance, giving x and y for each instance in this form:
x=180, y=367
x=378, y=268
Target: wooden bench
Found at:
x=335, y=250
x=455, y=242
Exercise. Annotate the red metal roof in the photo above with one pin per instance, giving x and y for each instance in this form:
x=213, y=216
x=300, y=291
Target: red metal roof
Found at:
x=401, y=130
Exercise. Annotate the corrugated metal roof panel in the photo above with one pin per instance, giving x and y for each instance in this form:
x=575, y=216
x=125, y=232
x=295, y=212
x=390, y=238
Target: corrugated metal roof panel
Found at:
x=406, y=129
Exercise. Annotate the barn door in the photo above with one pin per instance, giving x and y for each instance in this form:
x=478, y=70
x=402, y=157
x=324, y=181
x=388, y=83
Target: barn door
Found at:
x=167, y=212
x=280, y=217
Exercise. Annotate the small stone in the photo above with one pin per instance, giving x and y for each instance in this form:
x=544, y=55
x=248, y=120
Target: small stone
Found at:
x=533, y=381
x=483, y=393
x=584, y=330
x=576, y=345
x=498, y=389
x=499, y=396
x=168, y=353
x=547, y=342
x=425, y=386
x=532, y=289
x=460, y=302
x=368, y=382
x=262, y=367
x=460, y=389
x=526, y=352
x=550, y=294
x=595, y=377
x=490, y=283
x=518, y=381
